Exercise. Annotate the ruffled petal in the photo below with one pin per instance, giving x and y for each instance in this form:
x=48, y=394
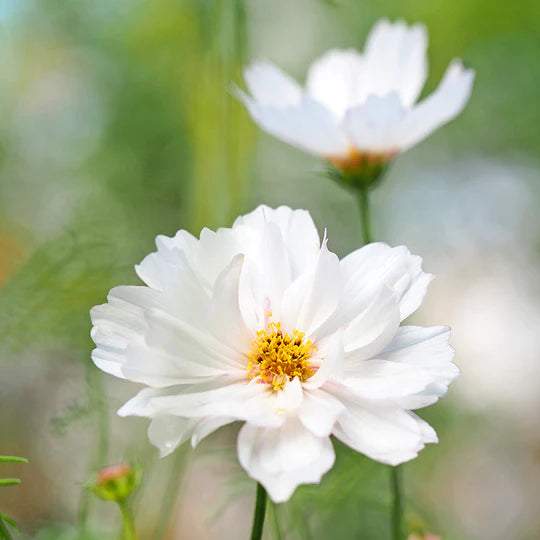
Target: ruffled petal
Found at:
x=386, y=434
x=385, y=380
x=428, y=349
x=223, y=397
x=328, y=360
x=283, y=458
x=314, y=296
x=372, y=329
x=167, y=433
x=374, y=266
x=319, y=412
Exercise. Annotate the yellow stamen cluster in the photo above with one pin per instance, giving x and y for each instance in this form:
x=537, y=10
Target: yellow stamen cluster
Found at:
x=276, y=357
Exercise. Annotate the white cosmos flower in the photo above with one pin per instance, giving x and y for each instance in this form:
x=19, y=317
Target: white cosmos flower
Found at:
x=359, y=107
x=262, y=324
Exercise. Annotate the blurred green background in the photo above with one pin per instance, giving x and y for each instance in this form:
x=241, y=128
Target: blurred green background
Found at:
x=117, y=123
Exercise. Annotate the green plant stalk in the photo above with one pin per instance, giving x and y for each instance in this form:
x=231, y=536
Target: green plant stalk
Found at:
x=397, y=504
x=365, y=214
x=258, y=516
x=128, y=524
x=277, y=528
x=395, y=472
x=171, y=493
x=97, y=402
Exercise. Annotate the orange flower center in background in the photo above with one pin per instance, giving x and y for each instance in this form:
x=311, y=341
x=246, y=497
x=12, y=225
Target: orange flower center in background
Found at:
x=358, y=160
x=276, y=357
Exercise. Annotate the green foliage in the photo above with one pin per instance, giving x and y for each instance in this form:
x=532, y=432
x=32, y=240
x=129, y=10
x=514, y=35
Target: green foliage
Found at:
x=5, y=521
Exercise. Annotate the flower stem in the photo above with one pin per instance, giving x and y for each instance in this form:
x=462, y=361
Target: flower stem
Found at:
x=365, y=215
x=277, y=529
x=258, y=516
x=395, y=472
x=128, y=524
x=397, y=504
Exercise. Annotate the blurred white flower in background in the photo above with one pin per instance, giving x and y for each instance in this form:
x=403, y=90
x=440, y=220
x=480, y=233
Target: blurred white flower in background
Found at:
x=356, y=107
x=261, y=323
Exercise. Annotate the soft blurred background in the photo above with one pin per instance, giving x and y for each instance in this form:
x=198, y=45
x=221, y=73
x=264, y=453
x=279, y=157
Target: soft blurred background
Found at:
x=117, y=123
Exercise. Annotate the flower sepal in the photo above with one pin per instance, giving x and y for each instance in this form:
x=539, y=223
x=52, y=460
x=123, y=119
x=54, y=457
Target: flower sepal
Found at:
x=368, y=173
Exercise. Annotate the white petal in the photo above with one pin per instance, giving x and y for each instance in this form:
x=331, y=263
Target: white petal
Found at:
x=218, y=397
x=395, y=60
x=283, y=458
x=320, y=411
x=168, y=432
x=314, y=296
x=430, y=350
x=227, y=323
x=206, y=426
x=377, y=265
x=373, y=126
x=373, y=328
x=333, y=79
x=270, y=86
x=119, y=323
x=383, y=379
x=386, y=434
x=291, y=397
x=308, y=126
x=448, y=100
x=329, y=361
x=297, y=230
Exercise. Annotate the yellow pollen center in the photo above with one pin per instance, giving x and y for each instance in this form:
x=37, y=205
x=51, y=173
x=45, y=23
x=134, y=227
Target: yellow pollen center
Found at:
x=276, y=357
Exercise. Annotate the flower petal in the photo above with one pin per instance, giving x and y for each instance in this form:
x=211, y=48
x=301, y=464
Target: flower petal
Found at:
x=269, y=85
x=386, y=434
x=308, y=126
x=227, y=323
x=368, y=269
x=223, y=397
x=319, y=412
x=372, y=329
x=448, y=100
x=283, y=458
x=168, y=432
x=395, y=60
x=430, y=350
x=310, y=300
x=373, y=126
x=383, y=379
x=333, y=79
x=329, y=361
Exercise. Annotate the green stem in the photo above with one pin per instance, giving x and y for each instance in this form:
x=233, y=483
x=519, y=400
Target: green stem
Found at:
x=277, y=528
x=171, y=494
x=258, y=516
x=395, y=472
x=128, y=524
x=365, y=215
x=397, y=503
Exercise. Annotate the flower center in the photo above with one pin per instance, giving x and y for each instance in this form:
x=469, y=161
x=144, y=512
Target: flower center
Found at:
x=276, y=357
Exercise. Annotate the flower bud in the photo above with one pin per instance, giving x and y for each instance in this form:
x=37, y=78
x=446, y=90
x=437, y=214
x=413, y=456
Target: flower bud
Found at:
x=115, y=482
